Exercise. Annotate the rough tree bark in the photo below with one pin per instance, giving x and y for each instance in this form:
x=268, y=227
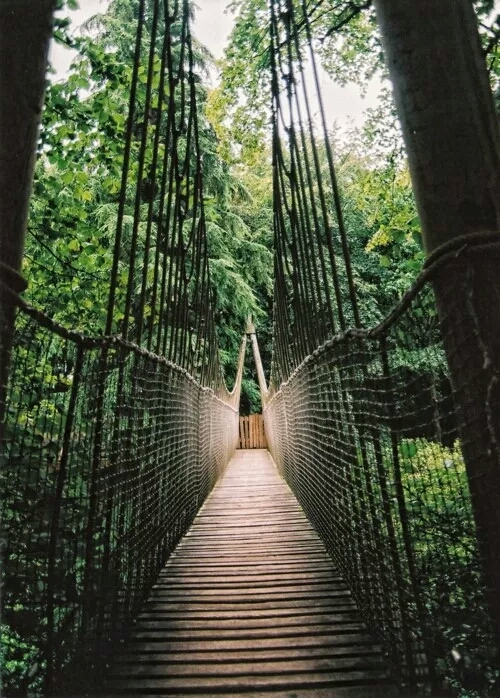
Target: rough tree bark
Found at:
x=25, y=32
x=450, y=127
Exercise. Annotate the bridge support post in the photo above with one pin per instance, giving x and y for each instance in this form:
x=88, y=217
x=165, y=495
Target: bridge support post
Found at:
x=25, y=33
x=451, y=131
x=250, y=331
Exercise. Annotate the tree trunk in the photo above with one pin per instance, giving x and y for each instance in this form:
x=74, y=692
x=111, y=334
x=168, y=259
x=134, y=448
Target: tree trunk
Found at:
x=25, y=32
x=450, y=127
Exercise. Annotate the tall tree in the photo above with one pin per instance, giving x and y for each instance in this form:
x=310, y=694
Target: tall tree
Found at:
x=25, y=30
x=450, y=127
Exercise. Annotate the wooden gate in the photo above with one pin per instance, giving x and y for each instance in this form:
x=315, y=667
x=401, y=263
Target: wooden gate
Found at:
x=252, y=434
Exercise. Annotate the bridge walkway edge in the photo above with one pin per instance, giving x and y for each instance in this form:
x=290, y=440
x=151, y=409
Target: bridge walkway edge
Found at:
x=250, y=604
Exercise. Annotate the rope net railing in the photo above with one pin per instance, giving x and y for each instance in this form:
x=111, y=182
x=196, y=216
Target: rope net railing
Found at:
x=111, y=443
x=109, y=452
x=368, y=429
x=366, y=434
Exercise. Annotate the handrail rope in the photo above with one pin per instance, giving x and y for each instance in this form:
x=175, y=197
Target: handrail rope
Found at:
x=103, y=342
x=12, y=279
x=460, y=242
x=448, y=252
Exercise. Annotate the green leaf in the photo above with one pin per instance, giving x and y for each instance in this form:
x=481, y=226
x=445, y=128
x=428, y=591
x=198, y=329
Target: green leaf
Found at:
x=417, y=238
x=397, y=234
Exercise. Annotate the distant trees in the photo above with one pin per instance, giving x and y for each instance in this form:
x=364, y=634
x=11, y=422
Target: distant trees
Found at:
x=73, y=213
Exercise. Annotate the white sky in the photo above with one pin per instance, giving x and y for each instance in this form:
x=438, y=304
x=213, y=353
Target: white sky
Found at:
x=212, y=26
x=342, y=104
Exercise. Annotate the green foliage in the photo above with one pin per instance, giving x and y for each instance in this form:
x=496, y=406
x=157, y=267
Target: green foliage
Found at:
x=17, y=658
x=77, y=179
x=243, y=99
x=448, y=572
x=239, y=233
x=381, y=218
x=349, y=46
x=73, y=218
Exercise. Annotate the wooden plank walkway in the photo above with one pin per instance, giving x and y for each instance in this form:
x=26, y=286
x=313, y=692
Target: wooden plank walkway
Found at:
x=250, y=604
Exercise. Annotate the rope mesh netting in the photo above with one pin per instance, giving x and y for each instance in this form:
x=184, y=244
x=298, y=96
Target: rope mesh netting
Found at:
x=363, y=424
x=110, y=452
x=365, y=433
x=111, y=444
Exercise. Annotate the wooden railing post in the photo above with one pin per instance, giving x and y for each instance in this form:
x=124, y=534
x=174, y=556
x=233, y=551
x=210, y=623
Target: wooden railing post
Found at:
x=258, y=361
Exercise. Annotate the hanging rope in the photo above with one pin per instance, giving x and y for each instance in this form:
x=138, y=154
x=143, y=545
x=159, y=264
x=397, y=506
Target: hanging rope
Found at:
x=167, y=251
x=111, y=444
x=361, y=422
x=309, y=293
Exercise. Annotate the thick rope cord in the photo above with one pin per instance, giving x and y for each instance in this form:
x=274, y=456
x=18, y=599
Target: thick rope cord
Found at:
x=369, y=441
x=12, y=279
x=361, y=421
x=111, y=443
x=304, y=247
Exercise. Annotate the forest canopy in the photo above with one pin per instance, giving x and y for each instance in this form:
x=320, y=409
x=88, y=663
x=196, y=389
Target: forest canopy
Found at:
x=77, y=180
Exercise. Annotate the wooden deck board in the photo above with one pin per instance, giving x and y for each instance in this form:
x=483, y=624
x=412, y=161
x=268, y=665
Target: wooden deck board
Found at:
x=250, y=602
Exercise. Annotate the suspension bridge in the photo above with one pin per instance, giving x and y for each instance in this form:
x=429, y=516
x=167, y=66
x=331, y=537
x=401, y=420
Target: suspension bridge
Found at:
x=145, y=555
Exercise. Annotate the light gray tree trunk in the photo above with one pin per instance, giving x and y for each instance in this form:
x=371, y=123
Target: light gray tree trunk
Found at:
x=450, y=128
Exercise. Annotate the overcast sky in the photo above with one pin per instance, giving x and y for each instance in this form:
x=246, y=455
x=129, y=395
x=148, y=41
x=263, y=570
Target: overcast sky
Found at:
x=212, y=27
